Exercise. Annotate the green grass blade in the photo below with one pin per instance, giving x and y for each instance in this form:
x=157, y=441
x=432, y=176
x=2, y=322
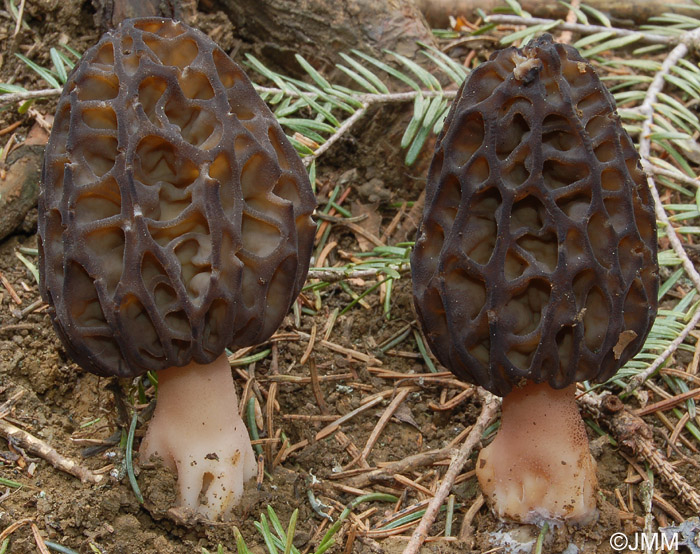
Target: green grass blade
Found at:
x=44, y=73
x=580, y=14
x=52, y=545
x=437, y=108
x=297, y=123
x=529, y=32
x=267, y=535
x=7, y=88
x=420, y=106
x=241, y=546
x=275, y=521
x=315, y=75
x=59, y=65
x=366, y=73
x=597, y=14
x=424, y=75
x=388, y=69
x=359, y=79
x=457, y=72
x=612, y=44
x=291, y=529
x=130, y=459
x=682, y=84
x=72, y=50
x=517, y=8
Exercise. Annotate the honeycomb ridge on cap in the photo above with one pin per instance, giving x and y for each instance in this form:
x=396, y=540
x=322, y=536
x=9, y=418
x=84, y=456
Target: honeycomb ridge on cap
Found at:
x=174, y=214
x=536, y=255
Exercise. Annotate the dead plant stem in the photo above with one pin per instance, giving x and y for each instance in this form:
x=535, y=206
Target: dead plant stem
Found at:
x=27, y=95
x=331, y=275
x=47, y=452
x=490, y=406
x=383, y=420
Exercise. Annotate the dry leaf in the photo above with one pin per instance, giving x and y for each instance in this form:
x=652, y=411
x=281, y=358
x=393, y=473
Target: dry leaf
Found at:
x=37, y=134
x=371, y=223
x=404, y=415
x=623, y=340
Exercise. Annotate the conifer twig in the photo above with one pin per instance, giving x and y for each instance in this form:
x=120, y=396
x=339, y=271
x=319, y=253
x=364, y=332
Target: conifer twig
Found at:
x=649, y=38
x=367, y=101
x=689, y=39
x=632, y=432
x=647, y=109
x=661, y=358
x=675, y=175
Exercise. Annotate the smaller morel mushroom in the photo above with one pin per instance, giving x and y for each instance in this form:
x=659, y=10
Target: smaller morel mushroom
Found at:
x=174, y=222
x=535, y=265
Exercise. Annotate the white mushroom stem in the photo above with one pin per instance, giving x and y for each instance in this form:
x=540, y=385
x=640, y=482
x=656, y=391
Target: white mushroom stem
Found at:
x=197, y=431
x=539, y=467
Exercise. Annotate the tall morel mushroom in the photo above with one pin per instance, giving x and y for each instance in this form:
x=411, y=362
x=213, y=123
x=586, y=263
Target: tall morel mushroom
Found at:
x=535, y=265
x=174, y=222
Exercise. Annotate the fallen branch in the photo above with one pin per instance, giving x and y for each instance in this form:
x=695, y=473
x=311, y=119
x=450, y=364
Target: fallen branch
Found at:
x=466, y=532
x=344, y=128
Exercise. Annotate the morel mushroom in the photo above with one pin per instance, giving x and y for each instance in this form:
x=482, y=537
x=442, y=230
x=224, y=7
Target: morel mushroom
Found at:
x=174, y=223
x=535, y=265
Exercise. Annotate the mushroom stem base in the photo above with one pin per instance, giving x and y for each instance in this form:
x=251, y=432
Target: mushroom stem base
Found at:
x=539, y=468
x=197, y=431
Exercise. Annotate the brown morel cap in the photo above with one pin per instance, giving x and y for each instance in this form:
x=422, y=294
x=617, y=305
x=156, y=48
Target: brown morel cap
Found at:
x=536, y=257
x=174, y=219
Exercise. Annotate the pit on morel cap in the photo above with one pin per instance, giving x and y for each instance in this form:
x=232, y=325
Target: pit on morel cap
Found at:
x=535, y=265
x=174, y=222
